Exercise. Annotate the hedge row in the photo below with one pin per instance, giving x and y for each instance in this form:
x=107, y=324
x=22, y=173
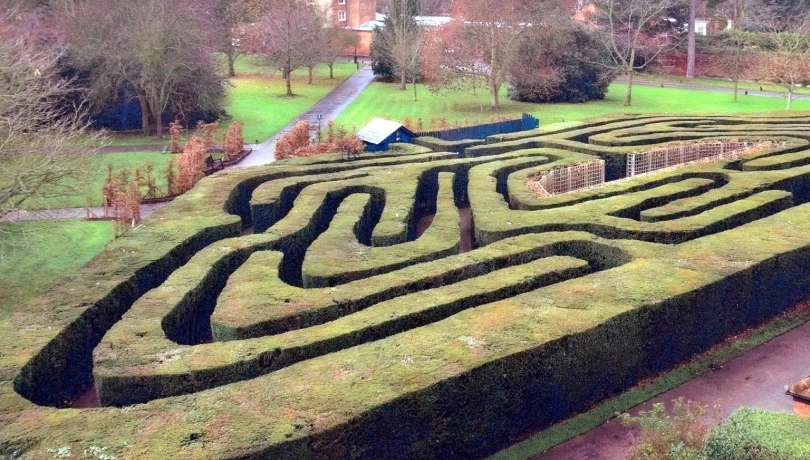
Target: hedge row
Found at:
x=411, y=388
x=268, y=345
x=440, y=145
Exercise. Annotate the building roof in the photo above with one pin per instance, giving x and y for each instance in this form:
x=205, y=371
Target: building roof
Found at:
x=424, y=21
x=378, y=130
x=432, y=21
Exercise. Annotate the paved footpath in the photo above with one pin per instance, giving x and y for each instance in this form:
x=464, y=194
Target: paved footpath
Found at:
x=73, y=213
x=758, y=378
x=329, y=107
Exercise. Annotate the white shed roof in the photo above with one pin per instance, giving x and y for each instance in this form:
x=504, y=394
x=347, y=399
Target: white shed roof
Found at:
x=377, y=130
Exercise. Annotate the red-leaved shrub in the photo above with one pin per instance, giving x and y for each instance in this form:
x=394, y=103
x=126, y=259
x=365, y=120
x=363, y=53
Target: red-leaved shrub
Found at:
x=191, y=167
x=297, y=138
x=234, y=142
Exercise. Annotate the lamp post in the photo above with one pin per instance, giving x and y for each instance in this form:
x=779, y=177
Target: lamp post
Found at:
x=319, y=116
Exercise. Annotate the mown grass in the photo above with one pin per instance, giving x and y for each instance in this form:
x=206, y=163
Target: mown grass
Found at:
x=92, y=187
x=256, y=97
x=720, y=83
x=388, y=101
x=35, y=255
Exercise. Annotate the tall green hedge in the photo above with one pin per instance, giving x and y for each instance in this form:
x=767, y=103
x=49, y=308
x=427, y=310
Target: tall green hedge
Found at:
x=335, y=329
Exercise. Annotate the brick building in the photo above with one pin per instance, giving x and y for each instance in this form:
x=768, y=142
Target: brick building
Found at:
x=353, y=14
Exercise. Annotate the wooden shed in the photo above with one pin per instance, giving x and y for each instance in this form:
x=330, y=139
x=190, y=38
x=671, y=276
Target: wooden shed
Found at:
x=379, y=133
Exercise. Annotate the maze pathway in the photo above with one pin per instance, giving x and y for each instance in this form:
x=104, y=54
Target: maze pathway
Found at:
x=342, y=327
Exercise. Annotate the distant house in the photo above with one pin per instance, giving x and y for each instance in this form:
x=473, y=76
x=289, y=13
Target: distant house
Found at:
x=353, y=15
x=701, y=26
x=379, y=133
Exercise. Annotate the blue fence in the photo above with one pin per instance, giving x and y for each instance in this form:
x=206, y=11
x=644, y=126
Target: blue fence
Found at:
x=482, y=131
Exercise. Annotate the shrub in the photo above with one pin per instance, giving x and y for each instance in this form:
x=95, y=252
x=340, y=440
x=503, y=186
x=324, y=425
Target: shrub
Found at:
x=755, y=434
x=678, y=435
x=176, y=132
x=234, y=142
x=207, y=132
x=191, y=167
x=297, y=138
x=559, y=65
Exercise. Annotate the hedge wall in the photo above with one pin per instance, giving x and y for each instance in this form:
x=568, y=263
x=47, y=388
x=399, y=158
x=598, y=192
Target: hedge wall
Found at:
x=333, y=331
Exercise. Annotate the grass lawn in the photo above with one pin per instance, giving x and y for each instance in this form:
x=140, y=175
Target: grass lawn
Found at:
x=95, y=184
x=720, y=82
x=257, y=98
x=35, y=255
x=388, y=101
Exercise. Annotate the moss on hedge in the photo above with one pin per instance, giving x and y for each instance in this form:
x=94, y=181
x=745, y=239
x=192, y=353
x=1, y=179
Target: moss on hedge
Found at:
x=335, y=332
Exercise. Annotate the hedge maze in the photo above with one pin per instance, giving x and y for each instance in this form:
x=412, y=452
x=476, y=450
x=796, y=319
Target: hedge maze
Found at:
x=321, y=308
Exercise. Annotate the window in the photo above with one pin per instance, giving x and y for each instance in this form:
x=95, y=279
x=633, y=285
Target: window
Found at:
x=341, y=16
x=341, y=2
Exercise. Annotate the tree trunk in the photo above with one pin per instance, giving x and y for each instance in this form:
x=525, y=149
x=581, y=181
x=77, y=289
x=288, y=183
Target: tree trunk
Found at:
x=690, y=50
x=309, y=82
x=790, y=94
x=494, y=100
x=402, y=82
x=289, y=83
x=736, y=84
x=413, y=82
x=331, y=70
x=145, y=126
x=231, y=71
x=159, y=124
x=629, y=93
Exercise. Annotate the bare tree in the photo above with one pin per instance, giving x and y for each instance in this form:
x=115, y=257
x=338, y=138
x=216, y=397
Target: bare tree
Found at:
x=399, y=41
x=636, y=32
x=690, y=46
x=288, y=36
x=149, y=50
x=228, y=21
x=335, y=42
x=732, y=48
x=789, y=63
x=43, y=141
x=478, y=44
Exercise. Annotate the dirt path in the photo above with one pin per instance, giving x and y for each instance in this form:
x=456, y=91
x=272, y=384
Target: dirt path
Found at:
x=757, y=378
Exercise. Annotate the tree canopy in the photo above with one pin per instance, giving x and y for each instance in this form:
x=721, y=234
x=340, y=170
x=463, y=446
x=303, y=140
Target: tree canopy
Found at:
x=560, y=62
x=154, y=51
x=289, y=35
